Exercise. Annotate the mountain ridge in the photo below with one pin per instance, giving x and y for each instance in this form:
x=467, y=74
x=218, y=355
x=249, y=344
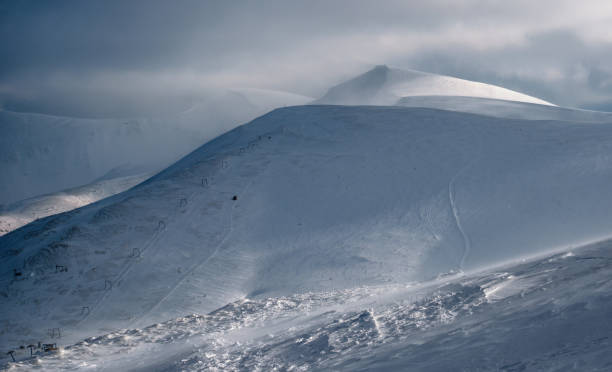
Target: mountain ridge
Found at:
x=383, y=85
x=325, y=197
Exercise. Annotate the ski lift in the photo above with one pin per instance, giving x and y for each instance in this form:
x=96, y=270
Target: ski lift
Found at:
x=54, y=333
x=61, y=269
x=49, y=347
x=135, y=253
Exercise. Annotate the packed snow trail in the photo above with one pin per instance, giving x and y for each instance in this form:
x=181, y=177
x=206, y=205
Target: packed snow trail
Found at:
x=339, y=197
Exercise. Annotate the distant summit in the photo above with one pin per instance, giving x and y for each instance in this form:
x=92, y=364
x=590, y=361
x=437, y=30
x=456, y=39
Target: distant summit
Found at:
x=386, y=86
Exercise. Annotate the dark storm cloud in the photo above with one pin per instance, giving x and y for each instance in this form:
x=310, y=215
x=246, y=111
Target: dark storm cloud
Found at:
x=133, y=57
x=556, y=65
x=80, y=35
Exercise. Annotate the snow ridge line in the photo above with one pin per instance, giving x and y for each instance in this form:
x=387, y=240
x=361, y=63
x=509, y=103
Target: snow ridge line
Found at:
x=451, y=197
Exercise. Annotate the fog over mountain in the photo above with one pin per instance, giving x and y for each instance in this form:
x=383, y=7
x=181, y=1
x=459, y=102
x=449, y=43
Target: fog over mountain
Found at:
x=102, y=59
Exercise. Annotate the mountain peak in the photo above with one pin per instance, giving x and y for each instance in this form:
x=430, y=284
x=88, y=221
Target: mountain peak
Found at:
x=381, y=68
x=386, y=86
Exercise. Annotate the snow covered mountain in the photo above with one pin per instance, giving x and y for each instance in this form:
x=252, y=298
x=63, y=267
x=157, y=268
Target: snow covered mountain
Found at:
x=25, y=211
x=42, y=154
x=309, y=199
x=385, y=86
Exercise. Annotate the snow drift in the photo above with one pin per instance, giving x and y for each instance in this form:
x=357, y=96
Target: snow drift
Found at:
x=385, y=86
x=305, y=199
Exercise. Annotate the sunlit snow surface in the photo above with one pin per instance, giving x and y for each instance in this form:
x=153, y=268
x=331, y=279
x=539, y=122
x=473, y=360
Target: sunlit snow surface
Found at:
x=339, y=213
x=25, y=211
x=506, y=109
x=385, y=86
x=551, y=313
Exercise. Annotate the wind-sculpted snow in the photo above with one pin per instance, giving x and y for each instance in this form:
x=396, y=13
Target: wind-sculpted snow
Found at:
x=309, y=199
x=550, y=313
x=385, y=86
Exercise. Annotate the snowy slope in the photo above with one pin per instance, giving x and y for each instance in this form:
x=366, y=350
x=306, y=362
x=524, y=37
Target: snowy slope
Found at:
x=551, y=313
x=40, y=154
x=328, y=197
x=385, y=86
x=506, y=109
x=23, y=212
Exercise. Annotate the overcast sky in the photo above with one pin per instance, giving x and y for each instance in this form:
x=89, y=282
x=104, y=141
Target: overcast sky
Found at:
x=113, y=58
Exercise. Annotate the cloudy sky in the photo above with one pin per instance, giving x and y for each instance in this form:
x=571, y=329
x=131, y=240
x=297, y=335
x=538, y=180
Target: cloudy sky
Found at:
x=122, y=58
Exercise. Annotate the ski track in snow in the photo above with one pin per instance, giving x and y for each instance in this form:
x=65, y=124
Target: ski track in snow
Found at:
x=455, y=210
x=199, y=264
x=230, y=230
x=131, y=261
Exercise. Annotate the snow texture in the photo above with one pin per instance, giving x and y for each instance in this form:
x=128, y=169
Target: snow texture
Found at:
x=328, y=198
x=449, y=231
x=549, y=313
